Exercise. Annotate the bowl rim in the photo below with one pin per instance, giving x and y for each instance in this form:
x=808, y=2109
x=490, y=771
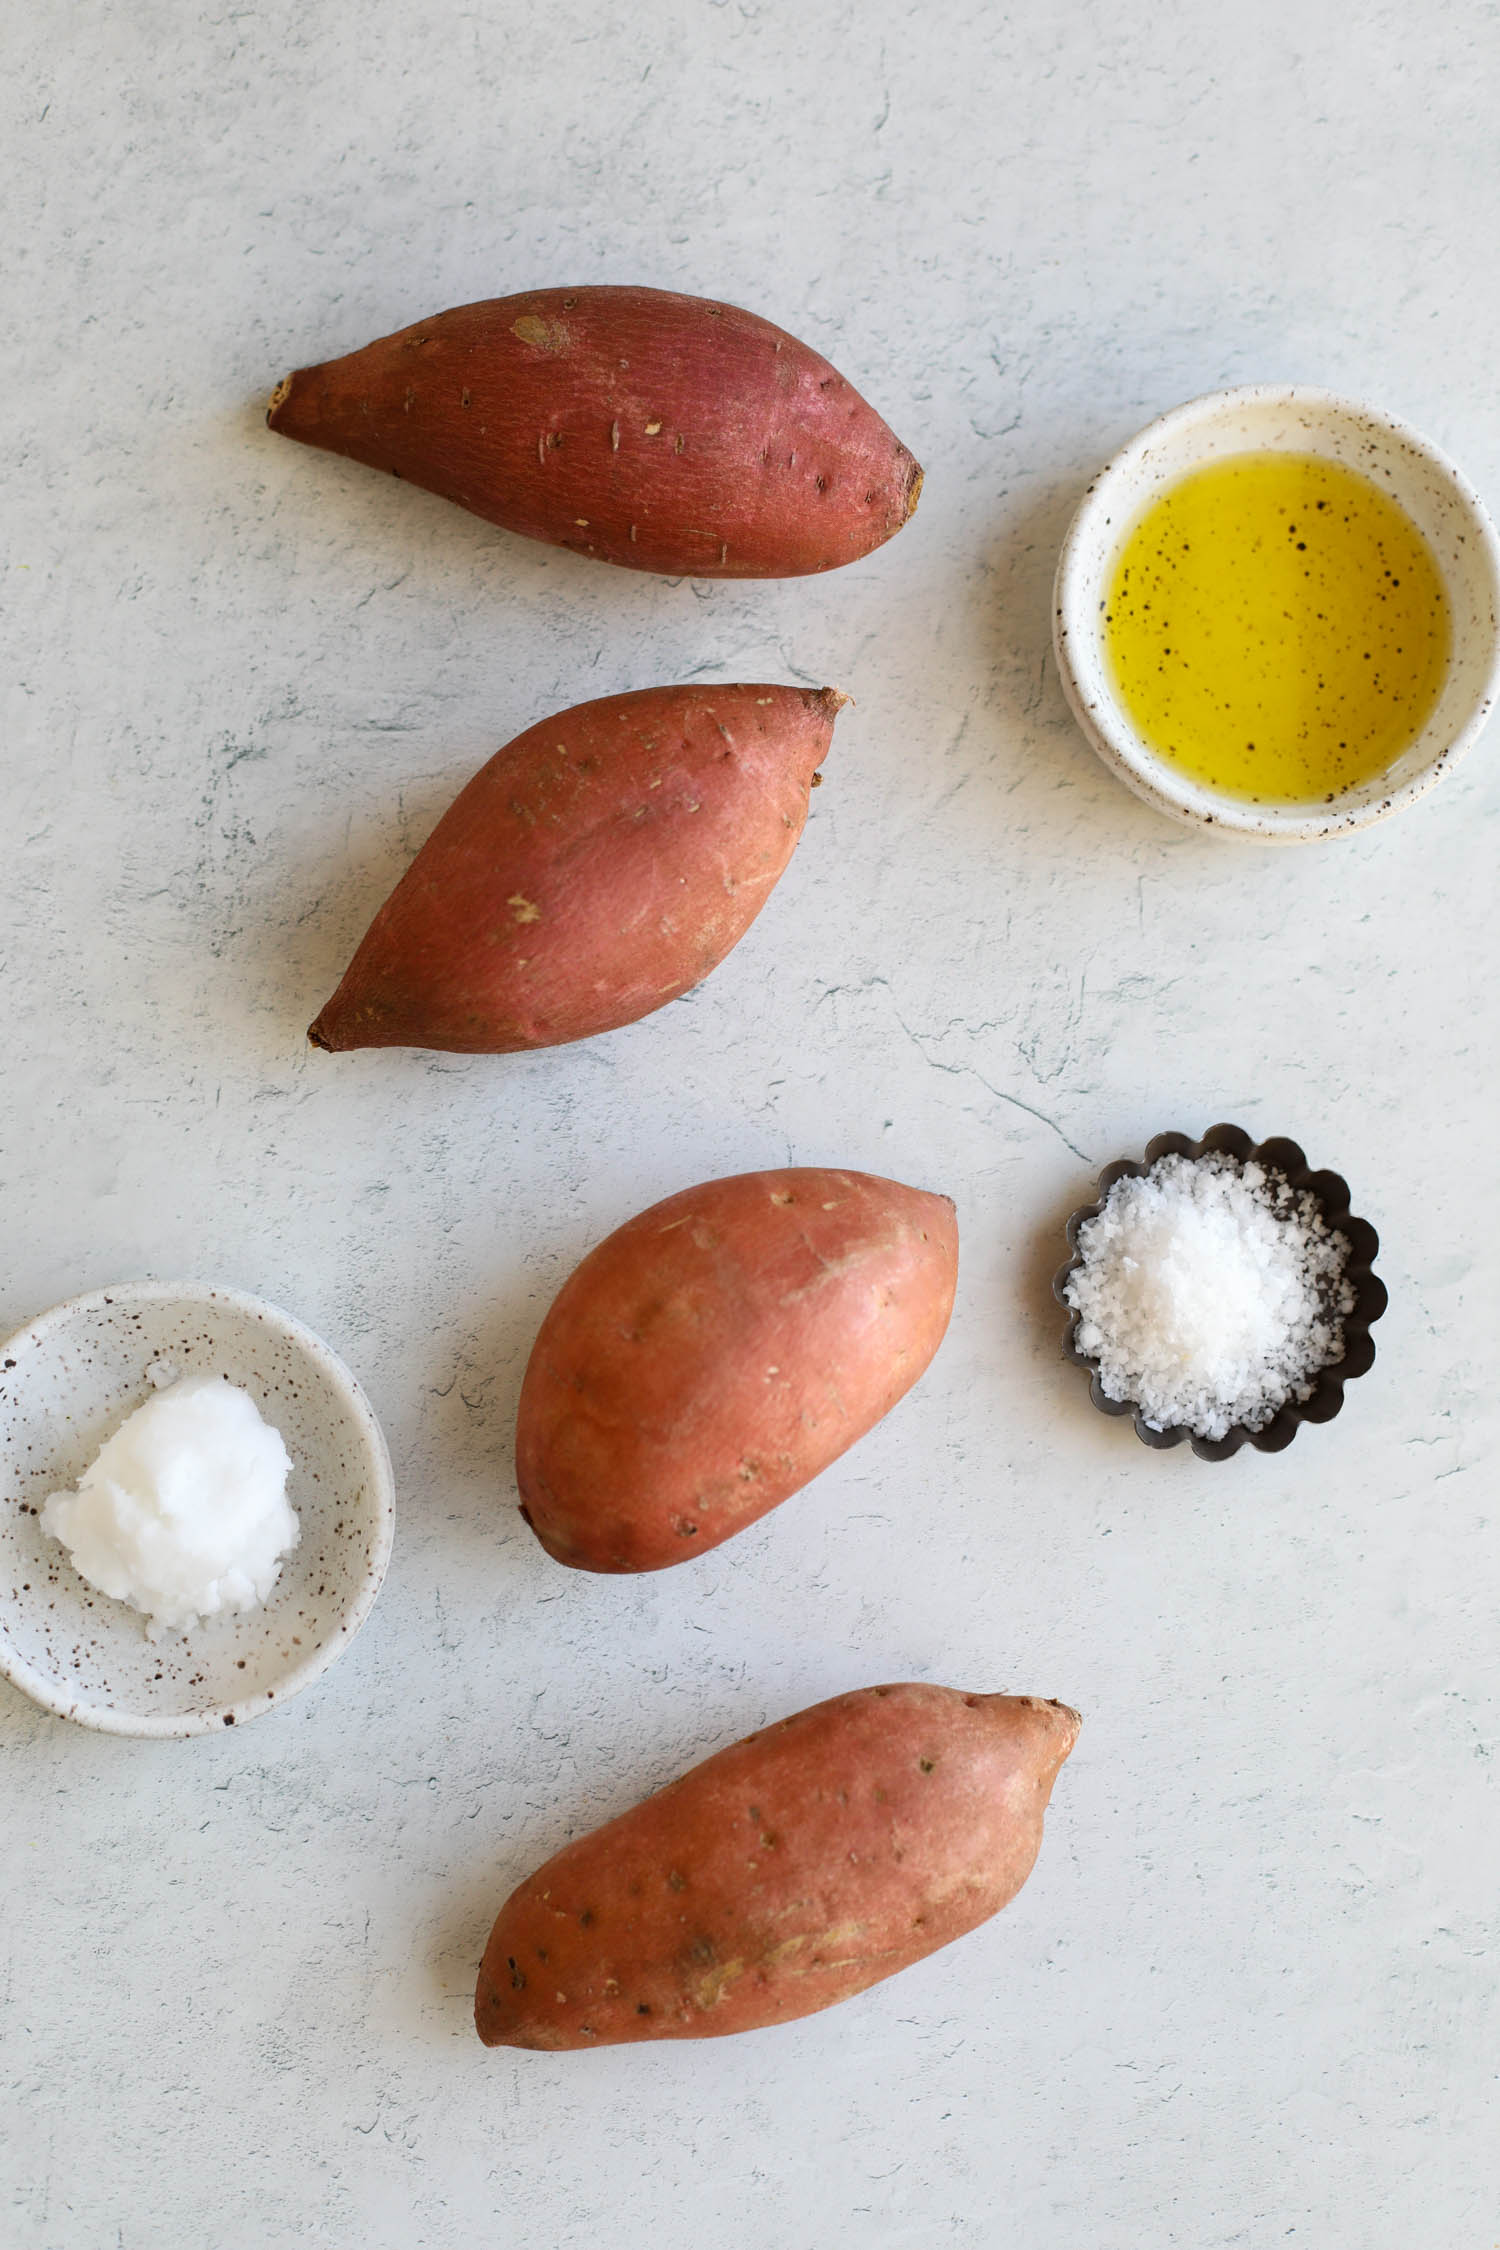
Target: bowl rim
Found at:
x=1278, y=1154
x=1123, y=750
x=110, y=1718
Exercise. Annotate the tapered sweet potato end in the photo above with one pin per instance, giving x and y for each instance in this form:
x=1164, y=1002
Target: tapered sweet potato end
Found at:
x=1053, y=1729
x=351, y=1021
x=324, y=406
x=496, y=2017
x=279, y=397
x=342, y=1024
x=355, y=1017
x=619, y=1556
x=310, y=405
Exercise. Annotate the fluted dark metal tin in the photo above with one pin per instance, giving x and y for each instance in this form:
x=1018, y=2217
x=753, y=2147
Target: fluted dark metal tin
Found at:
x=1332, y=1193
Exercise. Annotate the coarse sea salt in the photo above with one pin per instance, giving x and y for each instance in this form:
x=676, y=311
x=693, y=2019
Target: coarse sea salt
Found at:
x=183, y=1512
x=1210, y=1293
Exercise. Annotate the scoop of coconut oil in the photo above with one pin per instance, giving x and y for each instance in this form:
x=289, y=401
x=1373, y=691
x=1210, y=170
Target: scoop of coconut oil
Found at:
x=183, y=1513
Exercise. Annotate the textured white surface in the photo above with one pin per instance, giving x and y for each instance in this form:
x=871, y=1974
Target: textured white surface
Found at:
x=1249, y=1995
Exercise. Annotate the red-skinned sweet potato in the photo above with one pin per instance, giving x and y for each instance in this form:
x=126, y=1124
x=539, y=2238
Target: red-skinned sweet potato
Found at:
x=598, y=866
x=785, y=1874
x=663, y=432
x=718, y=1351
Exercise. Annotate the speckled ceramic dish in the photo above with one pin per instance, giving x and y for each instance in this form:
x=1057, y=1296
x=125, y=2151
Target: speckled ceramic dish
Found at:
x=1332, y=1193
x=66, y=1382
x=1291, y=419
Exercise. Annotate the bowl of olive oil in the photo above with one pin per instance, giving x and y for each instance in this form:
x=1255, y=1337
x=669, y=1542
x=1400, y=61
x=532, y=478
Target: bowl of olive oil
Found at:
x=1277, y=614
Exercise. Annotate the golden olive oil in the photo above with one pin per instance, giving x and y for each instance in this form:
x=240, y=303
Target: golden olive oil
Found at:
x=1277, y=627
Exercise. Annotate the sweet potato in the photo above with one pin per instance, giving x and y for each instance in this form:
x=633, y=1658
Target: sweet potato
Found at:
x=599, y=865
x=720, y=1349
x=659, y=431
x=782, y=1875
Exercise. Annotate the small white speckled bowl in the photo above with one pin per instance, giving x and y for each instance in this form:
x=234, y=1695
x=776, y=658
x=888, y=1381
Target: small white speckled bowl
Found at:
x=66, y=1383
x=1287, y=418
